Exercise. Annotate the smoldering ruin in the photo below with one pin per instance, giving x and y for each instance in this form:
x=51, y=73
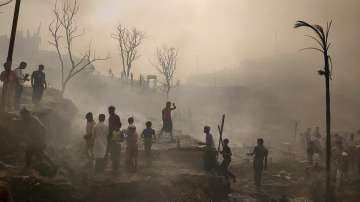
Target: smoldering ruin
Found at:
x=179, y=101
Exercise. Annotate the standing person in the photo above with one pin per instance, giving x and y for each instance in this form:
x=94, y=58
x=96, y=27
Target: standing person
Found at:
x=35, y=139
x=89, y=137
x=21, y=78
x=100, y=133
x=38, y=82
x=309, y=145
x=132, y=145
x=114, y=122
x=167, y=120
x=148, y=135
x=260, y=154
x=210, y=162
x=8, y=77
x=117, y=138
x=224, y=166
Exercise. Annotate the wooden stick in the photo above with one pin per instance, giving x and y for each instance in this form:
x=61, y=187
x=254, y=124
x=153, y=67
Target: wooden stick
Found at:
x=221, y=130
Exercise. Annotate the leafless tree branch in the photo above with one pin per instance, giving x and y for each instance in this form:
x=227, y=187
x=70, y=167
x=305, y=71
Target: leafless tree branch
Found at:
x=129, y=42
x=6, y=3
x=167, y=64
x=64, y=30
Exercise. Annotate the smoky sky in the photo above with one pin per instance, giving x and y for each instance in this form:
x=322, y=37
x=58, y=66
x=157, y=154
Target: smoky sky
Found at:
x=211, y=35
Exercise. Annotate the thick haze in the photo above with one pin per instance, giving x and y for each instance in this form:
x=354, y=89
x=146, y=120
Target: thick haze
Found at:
x=210, y=34
x=240, y=57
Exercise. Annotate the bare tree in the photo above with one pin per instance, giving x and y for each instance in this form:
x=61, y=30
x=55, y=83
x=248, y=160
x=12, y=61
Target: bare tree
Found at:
x=5, y=3
x=321, y=38
x=63, y=31
x=166, y=65
x=129, y=42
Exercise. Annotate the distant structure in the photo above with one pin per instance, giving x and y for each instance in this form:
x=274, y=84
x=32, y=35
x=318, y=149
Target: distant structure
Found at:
x=150, y=78
x=26, y=44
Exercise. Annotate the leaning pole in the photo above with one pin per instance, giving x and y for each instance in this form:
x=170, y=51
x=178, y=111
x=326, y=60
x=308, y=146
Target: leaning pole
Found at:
x=13, y=32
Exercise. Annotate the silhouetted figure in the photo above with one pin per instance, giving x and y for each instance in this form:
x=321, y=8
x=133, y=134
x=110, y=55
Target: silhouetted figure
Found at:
x=89, y=138
x=100, y=141
x=38, y=82
x=35, y=133
x=224, y=166
x=260, y=154
x=117, y=138
x=167, y=120
x=21, y=78
x=8, y=77
x=210, y=161
x=309, y=145
x=114, y=122
x=5, y=194
x=131, y=145
x=148, y=135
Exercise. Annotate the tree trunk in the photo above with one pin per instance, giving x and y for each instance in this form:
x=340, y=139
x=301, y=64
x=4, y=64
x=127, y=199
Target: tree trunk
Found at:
x=63, y=87
x=167, y=93
x=329, y=191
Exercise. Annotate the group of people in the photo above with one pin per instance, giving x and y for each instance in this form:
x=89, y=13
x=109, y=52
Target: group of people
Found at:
x=14, y=82
x=345, y=153
x=211, y=164
x=104, y=141
x=104, y=144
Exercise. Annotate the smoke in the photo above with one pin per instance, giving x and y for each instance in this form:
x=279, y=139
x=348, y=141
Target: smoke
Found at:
x=238, y=57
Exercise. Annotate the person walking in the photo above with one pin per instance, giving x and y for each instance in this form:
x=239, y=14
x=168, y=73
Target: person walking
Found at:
x=260, y=154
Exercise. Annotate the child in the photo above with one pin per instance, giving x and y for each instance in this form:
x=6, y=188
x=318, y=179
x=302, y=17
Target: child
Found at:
x=117, y=137
x=148, y=135
x=226, y=153
x=100, y=140
x=132, y=145
x=90, y=123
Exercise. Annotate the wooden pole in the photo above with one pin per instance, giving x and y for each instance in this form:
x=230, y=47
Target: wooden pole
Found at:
x=13, y=31
x=221, y=130
x=329, y=190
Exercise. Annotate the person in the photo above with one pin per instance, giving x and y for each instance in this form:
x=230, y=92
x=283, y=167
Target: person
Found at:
x=114, y=122
x=21, y=78
x=132, y=145
x=309, y=145
x=317, y=133
x=5, y=193
x=316, y=143
x=38, y=82
x=210, y=162
x=35, y=138
x=260, y=154
x=116, y=139
x=89, y=137
x=167, y=120
x=8, y=77
x=224, y=166
x=148, y=135
x=100, y=140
